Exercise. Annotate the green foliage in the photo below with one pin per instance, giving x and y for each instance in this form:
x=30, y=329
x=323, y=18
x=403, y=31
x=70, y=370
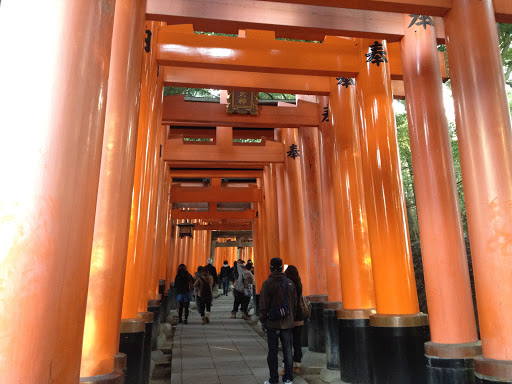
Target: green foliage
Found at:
x=191, y=92
x=505, y=35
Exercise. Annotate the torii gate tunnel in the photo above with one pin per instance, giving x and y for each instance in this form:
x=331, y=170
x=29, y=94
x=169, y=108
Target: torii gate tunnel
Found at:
x=98, y=180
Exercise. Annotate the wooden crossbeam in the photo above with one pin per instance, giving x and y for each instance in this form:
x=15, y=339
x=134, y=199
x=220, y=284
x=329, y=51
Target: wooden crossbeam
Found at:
x=207, y=132
x=225, y=173
x=177, y=214
x=177, y=111
x=224, y=227
x=295, y=21
x=212, y=193
x=230, y=244
x=336, y=57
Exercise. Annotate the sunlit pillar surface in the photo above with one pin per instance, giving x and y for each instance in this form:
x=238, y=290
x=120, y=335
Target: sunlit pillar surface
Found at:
x=393, y=271
x=445, y=265
x=295, y=208
x=50, y=164
x=111, y=227
x=352, y=225
x=282, y=212
x=134, y=263
x=485, y=147
x=312, y=201
x=326, y=139
x=272, y=220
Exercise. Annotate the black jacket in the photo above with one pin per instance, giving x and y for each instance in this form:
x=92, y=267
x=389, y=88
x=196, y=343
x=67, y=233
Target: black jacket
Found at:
x=225, y=271
x=272, y=295
x=213, y=272
x=182, y=281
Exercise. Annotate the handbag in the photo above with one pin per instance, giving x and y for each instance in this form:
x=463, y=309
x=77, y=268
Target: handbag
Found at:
x=280, y=311
x=305, y=307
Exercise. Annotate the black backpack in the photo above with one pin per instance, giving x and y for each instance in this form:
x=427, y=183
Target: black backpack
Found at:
x=206, y=292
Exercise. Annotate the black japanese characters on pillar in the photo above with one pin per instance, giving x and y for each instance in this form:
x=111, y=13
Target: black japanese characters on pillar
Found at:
x=147, y=41
x=345, y=81
x=377, y=54
x=325, y=114
x=421, y=20
x=293, y=152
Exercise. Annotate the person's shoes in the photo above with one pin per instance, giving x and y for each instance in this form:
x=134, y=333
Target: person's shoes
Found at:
x=233, y=315
x=203, y=320
x=180, y=321
x=185, y=321
x=297, y=368
x=207, y=317
x=288, y=382
x=245, y=316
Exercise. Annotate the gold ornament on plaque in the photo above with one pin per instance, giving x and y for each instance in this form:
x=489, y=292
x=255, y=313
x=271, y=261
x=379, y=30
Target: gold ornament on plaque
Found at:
x=242, y=103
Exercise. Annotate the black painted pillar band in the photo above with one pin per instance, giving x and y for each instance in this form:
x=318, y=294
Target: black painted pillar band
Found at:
x=257, y=304
x=304, y=335
x=120, y=361
x=131, y=343
x=171, y=293
x=354, y=346
x=316, y=332
x=331, y=334
x=489, y=371
x=397, y=348
x=148, y=330
x=154, y=306
x=451, y=363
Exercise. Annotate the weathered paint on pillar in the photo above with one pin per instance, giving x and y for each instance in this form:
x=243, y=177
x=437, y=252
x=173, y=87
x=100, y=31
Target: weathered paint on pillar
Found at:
x=172, y=264
x=134, y=263
x=352, y=224
x=296, y=227
x=393, y=272
x=312, y=201
x=112, y=222
x=485, y=142
x=445, y=265
x=326, y=140
x=50, y=170
x=270, y=202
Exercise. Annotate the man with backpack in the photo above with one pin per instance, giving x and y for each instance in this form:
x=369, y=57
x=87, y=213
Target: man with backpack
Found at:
x=242, y=290
x=277, y=310
x=204, y=286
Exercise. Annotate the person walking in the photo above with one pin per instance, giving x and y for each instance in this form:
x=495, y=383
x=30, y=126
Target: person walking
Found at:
x=204, y=285
x=212, y=270
x=292, y=273
x=278, y=300
x=183, y=284
x=225, y=271
x=242, y=290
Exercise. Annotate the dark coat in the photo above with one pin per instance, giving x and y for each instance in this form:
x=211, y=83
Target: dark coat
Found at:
x=213, y=272
x=225, y=271
x=182, y=281
x=272, y=295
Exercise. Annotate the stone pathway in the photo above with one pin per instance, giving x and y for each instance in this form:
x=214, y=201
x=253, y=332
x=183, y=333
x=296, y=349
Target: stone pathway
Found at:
x=225, y=351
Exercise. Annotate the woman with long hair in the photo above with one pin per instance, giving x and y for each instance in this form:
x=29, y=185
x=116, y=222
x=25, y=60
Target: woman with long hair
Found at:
x=183, y=284
x=293, y=274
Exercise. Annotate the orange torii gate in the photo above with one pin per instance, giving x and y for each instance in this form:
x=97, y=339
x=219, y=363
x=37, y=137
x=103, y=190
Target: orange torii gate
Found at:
x=48, y=213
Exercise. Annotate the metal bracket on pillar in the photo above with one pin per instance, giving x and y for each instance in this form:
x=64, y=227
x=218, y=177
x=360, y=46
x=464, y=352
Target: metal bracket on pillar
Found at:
x=147, y=41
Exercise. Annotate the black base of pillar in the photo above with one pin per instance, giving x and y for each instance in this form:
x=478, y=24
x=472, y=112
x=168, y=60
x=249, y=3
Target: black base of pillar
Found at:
x=316, y=332
x=257, y=304
x=451, y=363
x=354, y=349
x=120, y=360
x=131, y=343
x=331, y=335
x=165, y=308
x=148, y=332
x=490, y=371
x=171, y=293
x=397, y=351
x=304, y=336
x=154, y=306
x=115, y=377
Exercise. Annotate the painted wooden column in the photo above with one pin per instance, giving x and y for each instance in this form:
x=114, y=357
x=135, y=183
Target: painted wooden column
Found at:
x=397, y=319
x=135, y=257
x=445, y=265
x=112, y=222
x=326, y=140
x=261, y=269
x=47, y=212
x=282, y=211
x=353, y=235
x=272, y=220
x=295, y=208
x=312, y=202
x=485, y=142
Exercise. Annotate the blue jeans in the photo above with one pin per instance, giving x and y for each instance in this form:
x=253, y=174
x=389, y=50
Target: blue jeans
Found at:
x=225, y=283
x=286, y=337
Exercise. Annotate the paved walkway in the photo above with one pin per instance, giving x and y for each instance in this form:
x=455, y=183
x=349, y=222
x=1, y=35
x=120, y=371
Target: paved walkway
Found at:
x=225, y=351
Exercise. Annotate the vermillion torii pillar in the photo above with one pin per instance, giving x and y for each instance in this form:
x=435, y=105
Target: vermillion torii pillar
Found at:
x=445, y=265
x=485, y=146
x=47, y=211
x=397, y=321
x=353, y=236
x=112, y=223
